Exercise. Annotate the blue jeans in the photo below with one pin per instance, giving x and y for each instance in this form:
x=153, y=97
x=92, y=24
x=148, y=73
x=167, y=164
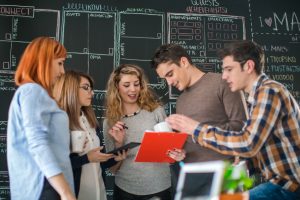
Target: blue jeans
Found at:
x=266, y=191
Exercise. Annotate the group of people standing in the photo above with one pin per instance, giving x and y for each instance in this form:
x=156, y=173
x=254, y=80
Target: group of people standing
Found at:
x=50, y=103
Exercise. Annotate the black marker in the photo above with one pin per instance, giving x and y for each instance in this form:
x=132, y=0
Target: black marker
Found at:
x=124, y=126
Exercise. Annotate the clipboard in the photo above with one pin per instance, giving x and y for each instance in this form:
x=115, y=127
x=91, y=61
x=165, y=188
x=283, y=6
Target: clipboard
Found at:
x=155, y=145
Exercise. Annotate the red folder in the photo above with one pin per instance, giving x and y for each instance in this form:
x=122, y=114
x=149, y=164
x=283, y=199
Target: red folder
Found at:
x=155, y=145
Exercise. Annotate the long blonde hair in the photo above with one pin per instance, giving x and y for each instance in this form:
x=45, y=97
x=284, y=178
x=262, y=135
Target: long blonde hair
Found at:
x=113, y=100
x=66, y=93
x=36, y=62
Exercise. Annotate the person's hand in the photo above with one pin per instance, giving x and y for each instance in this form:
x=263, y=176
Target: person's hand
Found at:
x=117, y=132
x=121, y=155
x=182, y=123
x=68, y=196
x=61, y=186
x=177, y=154
x=95, y=155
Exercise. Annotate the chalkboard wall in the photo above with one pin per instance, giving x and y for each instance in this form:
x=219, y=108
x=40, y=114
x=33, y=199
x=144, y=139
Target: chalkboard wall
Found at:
x=100, y=35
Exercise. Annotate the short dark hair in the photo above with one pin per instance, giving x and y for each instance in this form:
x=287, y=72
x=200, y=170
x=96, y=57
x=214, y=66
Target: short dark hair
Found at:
x=169, y=53
x=242, y=51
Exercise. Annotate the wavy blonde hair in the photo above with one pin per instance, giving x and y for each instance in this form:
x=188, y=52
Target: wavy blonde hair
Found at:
x=113, y=100
x=36, y=62
x=66, y=93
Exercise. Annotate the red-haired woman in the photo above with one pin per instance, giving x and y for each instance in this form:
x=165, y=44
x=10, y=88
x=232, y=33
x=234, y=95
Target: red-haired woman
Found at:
x=38, y=130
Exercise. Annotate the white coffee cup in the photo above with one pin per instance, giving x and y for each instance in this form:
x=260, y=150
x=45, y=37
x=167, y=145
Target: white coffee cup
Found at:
x=162, y=127
x=77, y=141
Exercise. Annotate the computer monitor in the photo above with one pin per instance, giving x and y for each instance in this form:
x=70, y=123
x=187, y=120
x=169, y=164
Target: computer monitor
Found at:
x=189, y=187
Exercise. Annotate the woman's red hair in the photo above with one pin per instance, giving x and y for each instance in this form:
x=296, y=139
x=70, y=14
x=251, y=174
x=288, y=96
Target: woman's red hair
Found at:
x=36, y=62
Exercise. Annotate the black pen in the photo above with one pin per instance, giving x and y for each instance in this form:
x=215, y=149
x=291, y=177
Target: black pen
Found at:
x=124, y=126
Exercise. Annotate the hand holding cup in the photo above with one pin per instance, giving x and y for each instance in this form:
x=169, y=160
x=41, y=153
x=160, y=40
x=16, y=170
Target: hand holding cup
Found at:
x=162, y=127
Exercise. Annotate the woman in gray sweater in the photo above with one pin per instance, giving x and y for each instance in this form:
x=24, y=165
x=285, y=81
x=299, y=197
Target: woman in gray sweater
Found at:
x=130, y=110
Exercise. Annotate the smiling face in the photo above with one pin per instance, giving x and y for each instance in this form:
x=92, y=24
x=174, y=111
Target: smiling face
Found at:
x=85, y=92
x=236, y=77
x=129, y=88
x=175, y=75
x=57, y=69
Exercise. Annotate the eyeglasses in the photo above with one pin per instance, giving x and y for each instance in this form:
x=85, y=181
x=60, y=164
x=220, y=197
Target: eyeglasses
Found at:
x=87, y=88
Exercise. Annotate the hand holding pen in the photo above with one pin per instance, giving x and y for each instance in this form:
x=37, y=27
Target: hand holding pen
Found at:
x=117, y=132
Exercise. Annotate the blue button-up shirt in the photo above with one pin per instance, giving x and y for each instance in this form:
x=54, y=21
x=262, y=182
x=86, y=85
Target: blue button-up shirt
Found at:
x=37, y=142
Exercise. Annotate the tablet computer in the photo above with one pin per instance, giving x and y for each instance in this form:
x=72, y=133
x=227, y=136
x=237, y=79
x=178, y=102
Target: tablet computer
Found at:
x=124, y=147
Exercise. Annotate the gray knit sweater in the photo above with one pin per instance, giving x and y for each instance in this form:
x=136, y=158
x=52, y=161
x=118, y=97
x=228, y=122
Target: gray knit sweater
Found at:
x=137, y=177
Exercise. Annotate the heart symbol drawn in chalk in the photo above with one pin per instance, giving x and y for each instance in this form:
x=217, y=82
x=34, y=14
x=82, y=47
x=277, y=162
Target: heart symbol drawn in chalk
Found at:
x=268, y=21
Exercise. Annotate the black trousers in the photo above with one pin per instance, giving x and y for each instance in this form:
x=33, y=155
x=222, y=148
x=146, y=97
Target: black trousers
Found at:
x=120, y=194
x=175, y=170
x=48, y=192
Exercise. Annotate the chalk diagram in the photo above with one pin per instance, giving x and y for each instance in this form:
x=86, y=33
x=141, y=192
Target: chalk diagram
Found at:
x=15, y=34
x=14, y=37
x=202, y=36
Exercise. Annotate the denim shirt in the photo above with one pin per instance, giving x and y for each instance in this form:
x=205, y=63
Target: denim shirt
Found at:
x=38, y=142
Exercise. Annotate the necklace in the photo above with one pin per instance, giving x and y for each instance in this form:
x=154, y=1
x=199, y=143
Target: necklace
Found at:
x=88, y=129
x=130, y=115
